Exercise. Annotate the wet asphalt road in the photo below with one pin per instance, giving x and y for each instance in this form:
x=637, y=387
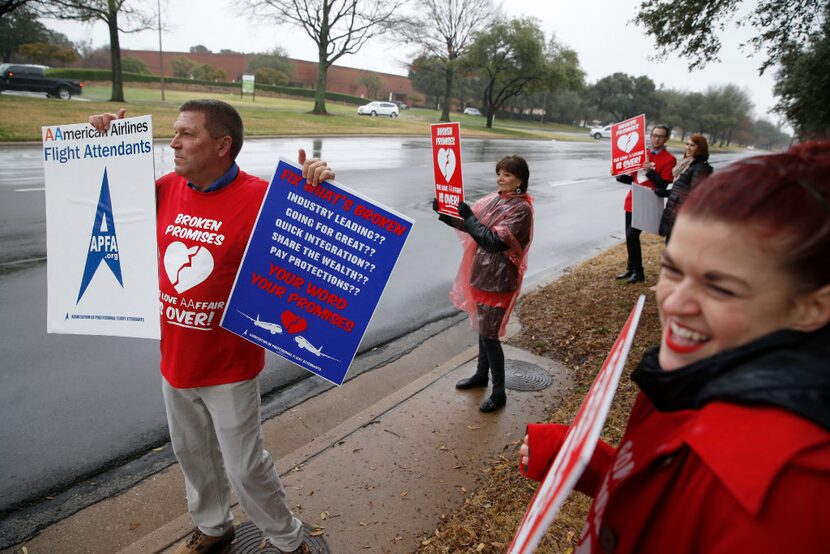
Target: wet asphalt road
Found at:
x=73, y=404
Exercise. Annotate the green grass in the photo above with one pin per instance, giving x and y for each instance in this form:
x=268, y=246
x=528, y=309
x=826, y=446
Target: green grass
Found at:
x=21, y=117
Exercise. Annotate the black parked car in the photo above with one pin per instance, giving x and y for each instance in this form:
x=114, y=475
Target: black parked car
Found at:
x=32, y=78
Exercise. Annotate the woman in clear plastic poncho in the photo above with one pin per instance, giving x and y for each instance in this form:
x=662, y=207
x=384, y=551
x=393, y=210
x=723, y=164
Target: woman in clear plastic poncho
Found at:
x=495, y=235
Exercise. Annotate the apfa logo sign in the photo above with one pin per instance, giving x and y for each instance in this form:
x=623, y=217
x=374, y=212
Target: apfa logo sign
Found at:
x=103, y=244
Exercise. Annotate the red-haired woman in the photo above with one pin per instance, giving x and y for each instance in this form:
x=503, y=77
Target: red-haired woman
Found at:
x=495, y=235
x=694, y=167
x=727, y=447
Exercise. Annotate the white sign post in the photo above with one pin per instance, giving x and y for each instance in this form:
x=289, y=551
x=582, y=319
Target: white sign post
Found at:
x=102, y=270
x=249, y=86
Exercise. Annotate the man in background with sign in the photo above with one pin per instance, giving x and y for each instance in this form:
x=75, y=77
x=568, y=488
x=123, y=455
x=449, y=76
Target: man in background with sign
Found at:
x=206, y=209
x=660, y=162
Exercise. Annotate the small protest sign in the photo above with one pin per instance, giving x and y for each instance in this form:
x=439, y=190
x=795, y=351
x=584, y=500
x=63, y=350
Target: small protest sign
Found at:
x=102, y=275
x=313, y=272
x=579, y=443
x=628, y=146
x=446, y=164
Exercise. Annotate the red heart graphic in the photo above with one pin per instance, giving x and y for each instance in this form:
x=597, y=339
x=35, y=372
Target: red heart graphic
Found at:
x=293, y=323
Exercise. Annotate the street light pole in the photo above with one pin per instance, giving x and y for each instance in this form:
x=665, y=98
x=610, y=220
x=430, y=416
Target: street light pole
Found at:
x=161, y=54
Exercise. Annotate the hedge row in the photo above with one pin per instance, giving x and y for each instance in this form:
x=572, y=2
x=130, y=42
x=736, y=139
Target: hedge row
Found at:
x=86, y=74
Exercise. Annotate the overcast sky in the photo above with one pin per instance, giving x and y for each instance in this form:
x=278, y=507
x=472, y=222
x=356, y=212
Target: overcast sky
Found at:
x=599, y=31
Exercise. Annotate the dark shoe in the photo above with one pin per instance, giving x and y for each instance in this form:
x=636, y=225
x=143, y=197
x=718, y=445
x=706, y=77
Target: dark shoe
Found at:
x=625, y=275
x=199, y=543
x=473, y=382
x=493, y=403
x=636, y=277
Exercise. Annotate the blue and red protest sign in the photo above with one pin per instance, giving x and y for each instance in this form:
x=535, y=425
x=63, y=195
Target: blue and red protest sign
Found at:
x=315, y=267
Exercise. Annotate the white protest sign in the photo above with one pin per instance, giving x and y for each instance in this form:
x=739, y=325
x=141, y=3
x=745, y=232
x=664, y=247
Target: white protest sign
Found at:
x=646, y=210
x=102, y=271
x=579, y=444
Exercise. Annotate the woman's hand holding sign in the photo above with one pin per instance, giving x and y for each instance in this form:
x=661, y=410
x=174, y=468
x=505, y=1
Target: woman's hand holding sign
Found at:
x=464, y=210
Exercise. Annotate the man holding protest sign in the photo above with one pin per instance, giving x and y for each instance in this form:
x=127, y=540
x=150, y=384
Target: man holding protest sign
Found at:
x=661, y=163
x=206, y=209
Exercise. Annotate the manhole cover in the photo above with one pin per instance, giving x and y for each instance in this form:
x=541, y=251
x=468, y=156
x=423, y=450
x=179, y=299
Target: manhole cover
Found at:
x=519, y=375
x=249, y=540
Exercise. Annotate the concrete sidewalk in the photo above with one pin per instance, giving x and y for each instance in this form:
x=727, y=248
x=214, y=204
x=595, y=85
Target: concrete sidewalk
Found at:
x=374, y=464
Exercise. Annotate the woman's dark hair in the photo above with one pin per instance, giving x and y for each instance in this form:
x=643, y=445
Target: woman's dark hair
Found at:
x=702, y=150
x=517, y=166
x=785, y=198
x=221, y=119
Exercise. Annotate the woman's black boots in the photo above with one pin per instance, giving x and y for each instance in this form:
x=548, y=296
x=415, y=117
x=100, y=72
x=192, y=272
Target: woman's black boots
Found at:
x=490, y=360
x=495, y=357
x=479, y=380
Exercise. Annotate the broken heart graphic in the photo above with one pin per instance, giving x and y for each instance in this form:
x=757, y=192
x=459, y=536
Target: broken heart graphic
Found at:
x=187, y=267
x=293, y=323
x=627, y=142
x=446, y=162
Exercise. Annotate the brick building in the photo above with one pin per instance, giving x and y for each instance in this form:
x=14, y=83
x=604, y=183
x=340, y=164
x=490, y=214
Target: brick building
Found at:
x=340, y=79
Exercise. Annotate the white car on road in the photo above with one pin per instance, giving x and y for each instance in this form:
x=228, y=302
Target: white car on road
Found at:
x=600, y=132
x=379, y=108
x=471, y=111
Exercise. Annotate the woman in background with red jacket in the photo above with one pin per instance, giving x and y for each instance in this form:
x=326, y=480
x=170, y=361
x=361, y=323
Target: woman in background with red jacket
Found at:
x=727, y=447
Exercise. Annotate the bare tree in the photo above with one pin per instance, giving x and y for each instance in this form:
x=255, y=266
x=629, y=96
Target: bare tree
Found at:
x=8, y=6
x=373, y=84
x=445, y=30
x=119, y=15
x=337, y=27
